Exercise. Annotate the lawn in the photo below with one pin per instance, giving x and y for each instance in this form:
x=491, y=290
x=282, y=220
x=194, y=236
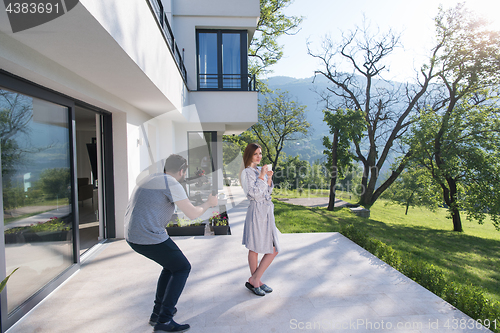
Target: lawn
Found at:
x=470, y=257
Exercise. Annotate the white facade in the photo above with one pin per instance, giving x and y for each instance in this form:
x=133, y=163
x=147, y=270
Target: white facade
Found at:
x=111, y=67
x=113, y=55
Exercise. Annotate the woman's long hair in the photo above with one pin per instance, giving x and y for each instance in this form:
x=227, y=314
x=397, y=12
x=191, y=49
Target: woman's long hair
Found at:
x=248, y=156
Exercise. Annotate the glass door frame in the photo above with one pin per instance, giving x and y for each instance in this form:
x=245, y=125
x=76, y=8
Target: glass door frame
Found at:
x=25, y=87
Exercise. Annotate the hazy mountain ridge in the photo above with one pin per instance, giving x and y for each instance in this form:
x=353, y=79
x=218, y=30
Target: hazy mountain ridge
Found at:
x=306, y=92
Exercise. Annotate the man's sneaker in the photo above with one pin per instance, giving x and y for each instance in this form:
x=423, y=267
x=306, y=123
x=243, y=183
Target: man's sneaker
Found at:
x=154, y=317
x=170, y=326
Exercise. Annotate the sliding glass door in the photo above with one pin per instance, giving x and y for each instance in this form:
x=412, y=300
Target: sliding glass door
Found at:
x=37, y=193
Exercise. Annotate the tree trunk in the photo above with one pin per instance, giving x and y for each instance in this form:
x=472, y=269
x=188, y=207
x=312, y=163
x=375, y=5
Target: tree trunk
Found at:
x=449, y=196
x=457, y=222
x=455, y=212
x=331, y=202
x=333, y=182
x=408, y=202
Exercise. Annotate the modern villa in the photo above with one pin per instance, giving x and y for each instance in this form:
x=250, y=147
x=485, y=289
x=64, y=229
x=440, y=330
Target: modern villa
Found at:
x=94, y=100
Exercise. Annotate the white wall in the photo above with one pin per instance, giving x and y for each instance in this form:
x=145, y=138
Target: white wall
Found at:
x=133, y=27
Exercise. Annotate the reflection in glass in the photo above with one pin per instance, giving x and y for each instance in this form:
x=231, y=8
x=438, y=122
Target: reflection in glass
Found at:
x=208, y=69
x=201, y=177
x=36, y=193
x=231, y=61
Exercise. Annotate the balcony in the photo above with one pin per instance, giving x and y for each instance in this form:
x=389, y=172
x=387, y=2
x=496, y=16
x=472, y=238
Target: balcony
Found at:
x=161, y=18
x=227, y=82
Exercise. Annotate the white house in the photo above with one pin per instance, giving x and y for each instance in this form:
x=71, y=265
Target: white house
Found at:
x=95, y=99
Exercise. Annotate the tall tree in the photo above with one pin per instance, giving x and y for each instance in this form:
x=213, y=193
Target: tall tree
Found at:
x=264, y=49
x=280, y=120
x=458, y=139
x=387, y=106
x=346, y=126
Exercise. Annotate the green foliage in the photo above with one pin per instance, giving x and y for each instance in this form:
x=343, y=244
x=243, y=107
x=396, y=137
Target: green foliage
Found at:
x=55, y=183
x=218, y=219
x=459, y=148
x=13, y=197
x=233, y=147
x=463, y=257
x=264, y=49
x=184, y=222
x=53, y=224
x=414, y=187
x=4, y=282
x=467, y=298
x=291, y=171
x=346, y=126
x=281, y=120
x=457, y=136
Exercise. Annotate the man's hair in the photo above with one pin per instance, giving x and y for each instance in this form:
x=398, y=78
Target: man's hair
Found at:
x=175, y=163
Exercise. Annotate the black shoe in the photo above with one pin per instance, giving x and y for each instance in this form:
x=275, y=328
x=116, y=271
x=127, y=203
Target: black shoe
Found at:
x=171, y=326
x=257, y=291
x=154, y=317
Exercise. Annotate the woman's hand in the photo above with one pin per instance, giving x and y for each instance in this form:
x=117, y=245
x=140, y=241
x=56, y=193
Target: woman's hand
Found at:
x=270, y=174
x=263, y=172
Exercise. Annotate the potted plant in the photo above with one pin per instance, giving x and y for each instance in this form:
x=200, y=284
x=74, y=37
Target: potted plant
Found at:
x=219, y=223
x=186, y=227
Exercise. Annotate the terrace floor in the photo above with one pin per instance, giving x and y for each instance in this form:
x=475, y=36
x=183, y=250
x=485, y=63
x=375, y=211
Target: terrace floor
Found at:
x=322, y=282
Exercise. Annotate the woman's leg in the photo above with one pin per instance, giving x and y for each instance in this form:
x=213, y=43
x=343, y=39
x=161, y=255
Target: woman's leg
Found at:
x=253, y=261
x=267, y=259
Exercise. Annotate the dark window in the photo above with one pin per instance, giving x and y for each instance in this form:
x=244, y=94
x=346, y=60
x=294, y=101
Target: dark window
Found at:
x=222, y=60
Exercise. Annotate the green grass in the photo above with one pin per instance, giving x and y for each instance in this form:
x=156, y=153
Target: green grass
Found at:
x=471, y=257
x=312, y=193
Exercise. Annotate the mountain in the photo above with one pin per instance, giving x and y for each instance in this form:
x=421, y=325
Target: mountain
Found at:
x=306, y=92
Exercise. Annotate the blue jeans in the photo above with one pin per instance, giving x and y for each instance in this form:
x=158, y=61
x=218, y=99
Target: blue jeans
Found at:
x=173, y=277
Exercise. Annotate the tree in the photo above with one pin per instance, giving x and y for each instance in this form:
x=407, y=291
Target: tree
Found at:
x=293, y=172
x=264, y=49
x=346, y=126
x=55, y=183
x=386, y=107
x=280, y=120
x=458, y=139
x=16, y=112
x=413, y=188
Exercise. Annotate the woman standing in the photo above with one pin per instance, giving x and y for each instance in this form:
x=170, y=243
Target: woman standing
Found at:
x=260, y=234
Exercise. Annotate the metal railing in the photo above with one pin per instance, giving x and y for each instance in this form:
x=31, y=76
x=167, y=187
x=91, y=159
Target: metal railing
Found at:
x=227, y=82
x=157, y=8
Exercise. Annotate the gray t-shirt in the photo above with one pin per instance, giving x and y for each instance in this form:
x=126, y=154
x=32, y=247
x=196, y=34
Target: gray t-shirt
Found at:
x=150, y=208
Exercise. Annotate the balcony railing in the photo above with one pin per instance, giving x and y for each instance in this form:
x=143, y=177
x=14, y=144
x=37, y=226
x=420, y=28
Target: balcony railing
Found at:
x=157, y=8
x=226, y=82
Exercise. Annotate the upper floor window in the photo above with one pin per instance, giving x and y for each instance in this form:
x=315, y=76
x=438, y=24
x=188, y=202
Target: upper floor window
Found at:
x=222, y=60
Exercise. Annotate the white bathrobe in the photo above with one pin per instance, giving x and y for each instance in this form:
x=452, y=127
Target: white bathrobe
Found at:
x=260, y=233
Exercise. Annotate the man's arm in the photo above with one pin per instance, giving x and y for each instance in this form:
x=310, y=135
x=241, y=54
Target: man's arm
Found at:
x=193, y=212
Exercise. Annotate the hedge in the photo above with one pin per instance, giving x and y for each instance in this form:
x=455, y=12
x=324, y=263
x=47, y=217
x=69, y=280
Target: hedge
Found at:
x=467, y=298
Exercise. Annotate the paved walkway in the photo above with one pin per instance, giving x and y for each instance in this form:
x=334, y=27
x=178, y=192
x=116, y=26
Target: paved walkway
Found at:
x=315, y=202
x=323, y=282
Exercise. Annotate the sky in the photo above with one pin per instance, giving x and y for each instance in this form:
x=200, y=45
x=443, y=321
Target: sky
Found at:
x=413, y=19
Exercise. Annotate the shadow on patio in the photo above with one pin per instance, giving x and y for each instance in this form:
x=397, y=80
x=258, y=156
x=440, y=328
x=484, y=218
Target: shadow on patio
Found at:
x=322, y=282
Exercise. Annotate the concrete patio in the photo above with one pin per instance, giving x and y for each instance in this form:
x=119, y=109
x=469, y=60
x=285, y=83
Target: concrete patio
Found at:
x=322, y=282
